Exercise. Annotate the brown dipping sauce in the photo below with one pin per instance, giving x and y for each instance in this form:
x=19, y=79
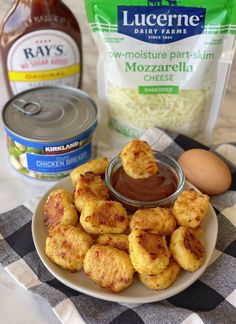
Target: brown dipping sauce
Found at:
x=155, y=187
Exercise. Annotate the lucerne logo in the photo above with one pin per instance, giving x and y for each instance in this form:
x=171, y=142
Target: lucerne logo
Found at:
x=160, y=24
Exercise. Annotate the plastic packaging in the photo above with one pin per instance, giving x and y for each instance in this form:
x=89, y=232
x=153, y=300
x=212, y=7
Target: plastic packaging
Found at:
x=163, y=63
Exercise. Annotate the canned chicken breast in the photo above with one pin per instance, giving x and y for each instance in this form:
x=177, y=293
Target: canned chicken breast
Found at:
x=49, y=130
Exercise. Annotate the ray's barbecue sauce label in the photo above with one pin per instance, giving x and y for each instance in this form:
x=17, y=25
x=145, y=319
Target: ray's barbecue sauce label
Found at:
x=43, y=48
x=47, y=57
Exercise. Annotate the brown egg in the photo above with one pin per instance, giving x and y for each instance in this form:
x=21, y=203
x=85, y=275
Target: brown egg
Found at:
x=206, y=171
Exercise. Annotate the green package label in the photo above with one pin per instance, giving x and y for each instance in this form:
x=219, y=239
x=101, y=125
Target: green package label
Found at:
x=158, y=89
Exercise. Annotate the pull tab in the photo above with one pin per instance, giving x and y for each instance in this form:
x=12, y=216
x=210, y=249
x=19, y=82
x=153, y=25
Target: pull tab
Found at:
x=28, y=108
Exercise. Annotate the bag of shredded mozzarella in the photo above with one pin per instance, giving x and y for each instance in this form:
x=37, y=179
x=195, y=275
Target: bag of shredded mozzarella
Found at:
x=163, y=63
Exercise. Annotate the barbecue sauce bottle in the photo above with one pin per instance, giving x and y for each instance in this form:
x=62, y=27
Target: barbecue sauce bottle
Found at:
x=40, y=45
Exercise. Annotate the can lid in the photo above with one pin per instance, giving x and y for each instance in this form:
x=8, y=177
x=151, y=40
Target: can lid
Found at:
x=50, y=114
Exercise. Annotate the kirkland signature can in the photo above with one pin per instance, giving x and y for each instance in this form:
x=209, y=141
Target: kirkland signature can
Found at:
x=49, y=130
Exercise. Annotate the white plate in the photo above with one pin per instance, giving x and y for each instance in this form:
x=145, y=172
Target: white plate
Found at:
x=136, y=293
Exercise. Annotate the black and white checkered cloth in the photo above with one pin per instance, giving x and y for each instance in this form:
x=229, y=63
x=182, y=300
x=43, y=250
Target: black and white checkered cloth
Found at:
x=211, y=299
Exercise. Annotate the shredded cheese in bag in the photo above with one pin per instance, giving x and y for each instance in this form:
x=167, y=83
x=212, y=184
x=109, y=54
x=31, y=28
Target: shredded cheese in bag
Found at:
x=163, y=63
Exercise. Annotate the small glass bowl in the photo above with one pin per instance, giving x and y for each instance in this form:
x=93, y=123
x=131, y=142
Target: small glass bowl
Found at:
x=133, y=205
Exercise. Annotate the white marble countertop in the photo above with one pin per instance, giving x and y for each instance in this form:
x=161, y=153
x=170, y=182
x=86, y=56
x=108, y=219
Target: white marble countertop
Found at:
x=18, y=305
